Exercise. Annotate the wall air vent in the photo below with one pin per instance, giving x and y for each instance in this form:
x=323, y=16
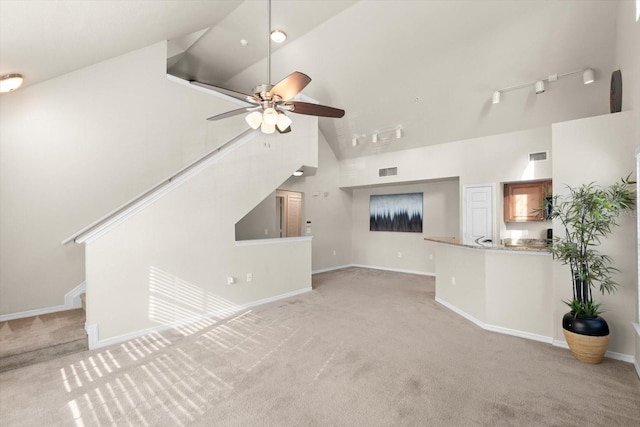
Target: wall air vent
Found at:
x=540, y=156
x=388, y=171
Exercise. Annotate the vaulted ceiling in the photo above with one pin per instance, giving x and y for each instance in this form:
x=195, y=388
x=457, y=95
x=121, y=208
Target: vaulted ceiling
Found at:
x=426, y=67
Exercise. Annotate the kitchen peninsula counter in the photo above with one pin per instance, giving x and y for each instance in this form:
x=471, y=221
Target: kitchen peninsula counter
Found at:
x=518, y=248
x=500, y=288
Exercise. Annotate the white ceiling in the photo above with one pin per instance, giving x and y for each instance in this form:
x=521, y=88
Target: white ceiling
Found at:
x=428, y=67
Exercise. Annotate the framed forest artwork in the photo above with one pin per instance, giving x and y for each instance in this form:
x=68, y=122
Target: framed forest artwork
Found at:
x=396, y=212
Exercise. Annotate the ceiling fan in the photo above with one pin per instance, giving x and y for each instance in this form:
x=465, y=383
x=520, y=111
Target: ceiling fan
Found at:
x=268, y=104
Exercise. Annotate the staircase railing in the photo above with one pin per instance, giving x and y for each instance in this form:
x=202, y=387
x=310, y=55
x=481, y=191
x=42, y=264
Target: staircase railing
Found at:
x=121, y=211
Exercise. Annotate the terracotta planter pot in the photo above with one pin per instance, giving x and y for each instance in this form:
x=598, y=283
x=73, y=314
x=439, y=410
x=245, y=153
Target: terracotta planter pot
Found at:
x=587, y=337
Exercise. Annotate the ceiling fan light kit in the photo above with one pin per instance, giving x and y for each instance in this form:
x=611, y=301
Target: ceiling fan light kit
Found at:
x=539, y=85
x=268, y=104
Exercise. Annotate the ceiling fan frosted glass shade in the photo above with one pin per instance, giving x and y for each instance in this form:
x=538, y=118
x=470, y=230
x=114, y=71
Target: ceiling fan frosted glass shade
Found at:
x=254, y=119
x=267, y=128
x=283, y=122
x=270, y=116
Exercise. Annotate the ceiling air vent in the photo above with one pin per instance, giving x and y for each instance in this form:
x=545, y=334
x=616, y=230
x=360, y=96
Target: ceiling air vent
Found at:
x=538, y=157
x=388, y=171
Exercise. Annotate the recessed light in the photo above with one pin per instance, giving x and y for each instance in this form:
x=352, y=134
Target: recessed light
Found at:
x=278, y=36
x=298, y=173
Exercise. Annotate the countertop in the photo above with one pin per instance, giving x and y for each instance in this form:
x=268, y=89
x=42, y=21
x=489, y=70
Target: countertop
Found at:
x=518, y=248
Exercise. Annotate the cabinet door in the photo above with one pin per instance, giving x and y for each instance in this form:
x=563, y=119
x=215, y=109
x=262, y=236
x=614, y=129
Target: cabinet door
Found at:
x=520, y=201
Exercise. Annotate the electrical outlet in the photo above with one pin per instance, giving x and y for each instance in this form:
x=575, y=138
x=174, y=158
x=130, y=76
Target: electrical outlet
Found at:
x=266, y=231
x=249, y=277
x=399, y=254
x=334, y=253
x=430, y=256
x=453, y=280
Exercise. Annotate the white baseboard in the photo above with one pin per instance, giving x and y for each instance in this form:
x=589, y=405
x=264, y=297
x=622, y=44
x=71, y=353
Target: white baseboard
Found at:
x=71, y=300
x=324, y=270
x=610, y=354
x=493, y=328
x=397, y=270
x=635, y=363
x=535, y=337
x=95, y=342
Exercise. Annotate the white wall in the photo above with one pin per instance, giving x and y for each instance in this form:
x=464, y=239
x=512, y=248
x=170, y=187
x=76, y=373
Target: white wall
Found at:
x=75, y=147
x=487, y=160
x=328, y=208
x=507, y=291
x=381, y=248
x=600, y=149
x=260, y=223
x=627, y=60
x=171, y=260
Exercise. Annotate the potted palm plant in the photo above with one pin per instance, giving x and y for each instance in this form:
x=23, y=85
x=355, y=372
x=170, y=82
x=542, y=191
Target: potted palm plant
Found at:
x=588, y=214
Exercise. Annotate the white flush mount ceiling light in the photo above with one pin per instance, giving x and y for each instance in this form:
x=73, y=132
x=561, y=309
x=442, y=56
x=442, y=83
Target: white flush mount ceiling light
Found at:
x=10, y=82
x=539, y=85
x=278, y=36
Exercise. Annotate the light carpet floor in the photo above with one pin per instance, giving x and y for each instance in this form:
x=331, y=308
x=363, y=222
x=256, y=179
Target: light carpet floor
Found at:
x=365, y=348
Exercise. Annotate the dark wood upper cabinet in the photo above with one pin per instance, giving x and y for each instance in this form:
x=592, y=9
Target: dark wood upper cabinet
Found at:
x=525, y=201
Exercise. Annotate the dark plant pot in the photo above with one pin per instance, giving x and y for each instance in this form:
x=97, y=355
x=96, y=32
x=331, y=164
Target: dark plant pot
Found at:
x=587, y=337
x=593, y=326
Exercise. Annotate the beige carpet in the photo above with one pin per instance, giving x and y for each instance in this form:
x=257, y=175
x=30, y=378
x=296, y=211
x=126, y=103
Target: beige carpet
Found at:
x=30, y=340
x=365, y=348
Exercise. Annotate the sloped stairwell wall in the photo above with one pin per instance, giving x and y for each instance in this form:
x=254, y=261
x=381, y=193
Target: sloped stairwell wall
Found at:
x=169, y=263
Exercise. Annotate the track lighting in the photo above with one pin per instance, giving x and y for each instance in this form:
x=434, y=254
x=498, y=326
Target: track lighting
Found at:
x=10, y=82
x=539, y=85
x=587, y=76
x=398, y=133
x=354, y=141
x=374, y=138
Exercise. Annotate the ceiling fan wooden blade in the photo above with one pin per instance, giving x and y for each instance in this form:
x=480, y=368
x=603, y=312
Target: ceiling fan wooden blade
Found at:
x=314, y=109
x=230, y=113
x=237, y=95
x=291, y=85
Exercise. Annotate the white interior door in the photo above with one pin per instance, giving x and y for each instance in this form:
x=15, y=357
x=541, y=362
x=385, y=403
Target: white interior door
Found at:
x=478, y=213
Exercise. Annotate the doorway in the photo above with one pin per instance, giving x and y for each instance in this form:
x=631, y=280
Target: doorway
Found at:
x=289, y=213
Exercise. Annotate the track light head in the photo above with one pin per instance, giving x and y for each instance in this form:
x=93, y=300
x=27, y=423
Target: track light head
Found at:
x=539, y=87
x=587, y=76
x=496, y=97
